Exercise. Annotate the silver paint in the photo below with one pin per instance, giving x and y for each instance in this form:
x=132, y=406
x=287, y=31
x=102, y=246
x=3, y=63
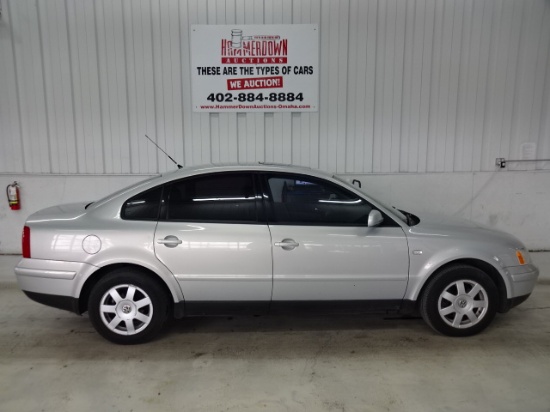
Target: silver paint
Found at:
x=258, y=262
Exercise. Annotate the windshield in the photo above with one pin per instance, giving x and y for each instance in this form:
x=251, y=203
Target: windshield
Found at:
x=395, y=211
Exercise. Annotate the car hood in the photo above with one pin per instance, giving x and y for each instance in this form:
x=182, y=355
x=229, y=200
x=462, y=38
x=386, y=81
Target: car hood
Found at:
x=457, y=228
x=71, y=211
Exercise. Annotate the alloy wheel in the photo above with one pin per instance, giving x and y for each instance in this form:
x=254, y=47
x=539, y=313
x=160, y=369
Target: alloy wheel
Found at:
x=126, y=309
x=463, y=304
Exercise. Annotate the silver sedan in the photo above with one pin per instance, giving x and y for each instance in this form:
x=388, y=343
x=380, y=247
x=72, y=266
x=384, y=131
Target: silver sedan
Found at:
x=258, y=239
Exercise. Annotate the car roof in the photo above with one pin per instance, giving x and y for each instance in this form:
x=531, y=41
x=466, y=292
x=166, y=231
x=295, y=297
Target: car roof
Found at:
x=232, y=167
x=189, y=170
x=205, y=169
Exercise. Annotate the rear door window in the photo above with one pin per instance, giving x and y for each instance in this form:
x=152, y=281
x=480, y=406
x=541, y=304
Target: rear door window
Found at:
x=220, y=197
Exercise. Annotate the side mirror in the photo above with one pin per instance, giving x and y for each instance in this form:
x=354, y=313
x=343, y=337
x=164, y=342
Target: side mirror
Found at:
x=375, y=218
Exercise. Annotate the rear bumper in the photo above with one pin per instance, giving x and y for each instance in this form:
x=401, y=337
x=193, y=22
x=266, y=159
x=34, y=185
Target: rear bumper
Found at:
x=55, y=301
x=51, y=277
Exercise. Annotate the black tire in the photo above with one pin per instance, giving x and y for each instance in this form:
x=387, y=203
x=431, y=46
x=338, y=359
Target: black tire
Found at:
x=460, y=300
x=128, y=307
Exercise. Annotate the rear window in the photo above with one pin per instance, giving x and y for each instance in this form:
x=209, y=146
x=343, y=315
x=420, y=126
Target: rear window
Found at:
x=144, y=206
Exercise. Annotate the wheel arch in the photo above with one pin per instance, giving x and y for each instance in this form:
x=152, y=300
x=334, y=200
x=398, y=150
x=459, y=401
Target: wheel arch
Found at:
x=482, y=265
x=93, y=279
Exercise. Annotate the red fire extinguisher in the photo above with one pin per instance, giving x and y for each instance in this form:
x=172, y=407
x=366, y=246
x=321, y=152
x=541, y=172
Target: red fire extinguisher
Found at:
x=14, y=197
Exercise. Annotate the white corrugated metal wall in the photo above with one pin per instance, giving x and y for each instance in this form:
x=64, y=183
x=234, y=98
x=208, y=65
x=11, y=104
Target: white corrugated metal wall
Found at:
x=405, y=86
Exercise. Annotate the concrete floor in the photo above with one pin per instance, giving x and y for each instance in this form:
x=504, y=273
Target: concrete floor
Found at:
x=52, y=360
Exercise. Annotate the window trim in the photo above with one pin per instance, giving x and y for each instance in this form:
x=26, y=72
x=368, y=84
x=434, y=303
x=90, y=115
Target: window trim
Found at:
x=259, y=209
x=267, y=199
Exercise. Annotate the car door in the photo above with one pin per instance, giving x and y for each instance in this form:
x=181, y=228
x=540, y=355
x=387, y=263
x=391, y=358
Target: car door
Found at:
x=211, y=238
x=323, y=249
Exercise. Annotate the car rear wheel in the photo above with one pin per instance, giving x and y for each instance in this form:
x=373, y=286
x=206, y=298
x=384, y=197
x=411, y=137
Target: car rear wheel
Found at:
x=461, y=300
x=128, y=307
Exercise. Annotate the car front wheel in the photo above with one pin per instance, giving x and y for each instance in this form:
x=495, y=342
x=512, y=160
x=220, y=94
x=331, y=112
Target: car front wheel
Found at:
x=127, y=307
x=461, y=300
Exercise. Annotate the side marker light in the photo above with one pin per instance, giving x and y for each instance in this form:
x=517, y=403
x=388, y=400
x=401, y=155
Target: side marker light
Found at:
x=520, y=257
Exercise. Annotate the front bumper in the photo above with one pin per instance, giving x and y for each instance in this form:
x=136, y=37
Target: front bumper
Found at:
x=522, y=280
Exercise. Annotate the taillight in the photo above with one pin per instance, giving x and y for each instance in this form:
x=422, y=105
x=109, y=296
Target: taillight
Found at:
x=26, y=242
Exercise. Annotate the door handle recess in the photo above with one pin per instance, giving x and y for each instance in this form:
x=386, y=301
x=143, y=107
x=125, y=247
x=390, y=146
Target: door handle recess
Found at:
x=169, y=241
x=287, y=244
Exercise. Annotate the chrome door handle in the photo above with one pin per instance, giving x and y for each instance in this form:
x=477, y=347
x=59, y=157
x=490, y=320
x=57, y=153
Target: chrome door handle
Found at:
x=169, y=241
x=287, y=244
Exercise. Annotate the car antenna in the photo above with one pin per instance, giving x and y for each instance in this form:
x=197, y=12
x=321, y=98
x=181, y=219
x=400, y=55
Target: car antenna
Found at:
x=169, y=157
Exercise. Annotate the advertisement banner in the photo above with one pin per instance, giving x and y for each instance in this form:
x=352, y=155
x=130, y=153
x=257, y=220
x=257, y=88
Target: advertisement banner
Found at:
x=255, y=68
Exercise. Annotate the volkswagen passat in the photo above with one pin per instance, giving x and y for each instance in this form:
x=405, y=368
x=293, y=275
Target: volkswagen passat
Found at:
x=222, y=240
